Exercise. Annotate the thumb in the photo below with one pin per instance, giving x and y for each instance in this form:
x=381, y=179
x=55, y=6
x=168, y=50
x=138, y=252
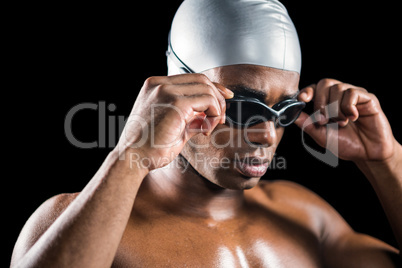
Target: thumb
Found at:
x=307, y=93
x=303, y=117
x=201, y=123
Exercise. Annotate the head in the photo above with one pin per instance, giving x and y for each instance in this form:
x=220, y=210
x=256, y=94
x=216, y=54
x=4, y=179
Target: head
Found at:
x=250, y=47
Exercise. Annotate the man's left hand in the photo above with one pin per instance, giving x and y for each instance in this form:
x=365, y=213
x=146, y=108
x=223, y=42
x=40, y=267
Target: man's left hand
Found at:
x=364, y=133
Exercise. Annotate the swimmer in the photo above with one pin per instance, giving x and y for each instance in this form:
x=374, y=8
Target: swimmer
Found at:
x=187, y=192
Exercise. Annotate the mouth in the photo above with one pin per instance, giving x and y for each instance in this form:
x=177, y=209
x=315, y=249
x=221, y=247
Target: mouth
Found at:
x=252, y=166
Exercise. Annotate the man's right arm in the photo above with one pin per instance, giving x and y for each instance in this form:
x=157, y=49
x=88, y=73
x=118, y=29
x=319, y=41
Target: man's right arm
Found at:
x=81, y=230
x=86, y=231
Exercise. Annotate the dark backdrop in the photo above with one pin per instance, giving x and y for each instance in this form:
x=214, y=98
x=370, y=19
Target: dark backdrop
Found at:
x=67, y=54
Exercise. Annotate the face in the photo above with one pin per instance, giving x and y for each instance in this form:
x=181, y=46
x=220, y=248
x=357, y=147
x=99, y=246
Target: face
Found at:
x=236, y=158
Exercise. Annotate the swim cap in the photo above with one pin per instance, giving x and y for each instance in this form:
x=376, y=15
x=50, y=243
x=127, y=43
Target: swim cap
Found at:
x=212, y=33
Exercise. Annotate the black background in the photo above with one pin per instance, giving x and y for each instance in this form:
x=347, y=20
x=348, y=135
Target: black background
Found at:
x=66, y=54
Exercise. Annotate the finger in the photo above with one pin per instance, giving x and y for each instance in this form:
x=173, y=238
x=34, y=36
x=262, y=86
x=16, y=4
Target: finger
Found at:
x=336, y=93
x=307, y=93
x=227, y=93
x=194, y=89
x=204, y=103
x=187, y=79
x=348, y=104
x=156, y=82
x=209, y=124
x=359, y=103
x=321, y=98
x=368, y=104
x=303, y=117
x=201, y=124
x=194, y=126
x=220, y=92
x=223, y=94
x=190, y=84
x=201, y=79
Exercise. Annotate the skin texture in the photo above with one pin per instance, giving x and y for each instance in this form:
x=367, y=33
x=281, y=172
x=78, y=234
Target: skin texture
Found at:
x=180, y=212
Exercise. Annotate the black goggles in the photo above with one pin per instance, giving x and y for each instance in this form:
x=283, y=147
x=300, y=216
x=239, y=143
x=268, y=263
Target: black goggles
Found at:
x=246, y=111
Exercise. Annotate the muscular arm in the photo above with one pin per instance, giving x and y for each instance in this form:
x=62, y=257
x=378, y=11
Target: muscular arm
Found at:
x=386, y=179
x=88, y=231
x=340, y=245
x=364, y=137
x=345, y=248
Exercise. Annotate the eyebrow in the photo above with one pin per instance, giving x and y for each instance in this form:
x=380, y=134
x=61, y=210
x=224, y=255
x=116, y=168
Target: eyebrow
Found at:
x=258, y=94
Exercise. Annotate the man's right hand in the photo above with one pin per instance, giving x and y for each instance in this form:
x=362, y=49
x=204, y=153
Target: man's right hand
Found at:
x=169, y=110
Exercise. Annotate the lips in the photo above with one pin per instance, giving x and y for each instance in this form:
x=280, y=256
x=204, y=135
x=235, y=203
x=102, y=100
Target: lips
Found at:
x=252, y=167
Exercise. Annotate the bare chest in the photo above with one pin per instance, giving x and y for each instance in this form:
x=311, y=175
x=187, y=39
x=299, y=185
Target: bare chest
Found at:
x=176, y=242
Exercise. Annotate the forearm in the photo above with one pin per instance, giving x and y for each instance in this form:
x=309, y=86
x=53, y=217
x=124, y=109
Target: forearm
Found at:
x=88, y=232
x=386, y=179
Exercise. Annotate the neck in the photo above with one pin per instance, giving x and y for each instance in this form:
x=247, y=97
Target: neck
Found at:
x=180, y=189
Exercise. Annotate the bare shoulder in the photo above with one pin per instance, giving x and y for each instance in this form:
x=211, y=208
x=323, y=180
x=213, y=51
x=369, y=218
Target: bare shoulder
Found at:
x=340, y=245
x=277, y=188
x=40, y=221
x=298, y=204
x=293, y=194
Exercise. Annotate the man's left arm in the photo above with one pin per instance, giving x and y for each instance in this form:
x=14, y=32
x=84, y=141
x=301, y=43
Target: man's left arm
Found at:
x=386, y=179
x=363, y=136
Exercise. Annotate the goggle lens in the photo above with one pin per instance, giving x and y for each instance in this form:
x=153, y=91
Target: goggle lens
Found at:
x=249, y=112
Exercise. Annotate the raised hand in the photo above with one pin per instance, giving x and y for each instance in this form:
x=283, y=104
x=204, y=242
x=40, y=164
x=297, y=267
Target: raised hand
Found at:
x=168, y=112
x=364, y=133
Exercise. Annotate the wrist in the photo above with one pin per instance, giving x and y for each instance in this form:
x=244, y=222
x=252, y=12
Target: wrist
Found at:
x=385, y=167
x=128, y=161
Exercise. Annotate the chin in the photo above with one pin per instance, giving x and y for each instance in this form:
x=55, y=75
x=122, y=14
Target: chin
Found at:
x=235, y=181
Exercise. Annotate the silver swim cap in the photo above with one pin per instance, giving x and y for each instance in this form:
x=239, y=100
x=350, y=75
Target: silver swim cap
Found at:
x=212, y=33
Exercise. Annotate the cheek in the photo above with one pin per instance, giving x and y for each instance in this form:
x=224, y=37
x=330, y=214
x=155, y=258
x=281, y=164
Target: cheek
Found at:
x=200, y=152
x=222, y=137
x=198, y=143
x=279, y=134
x=225, y=137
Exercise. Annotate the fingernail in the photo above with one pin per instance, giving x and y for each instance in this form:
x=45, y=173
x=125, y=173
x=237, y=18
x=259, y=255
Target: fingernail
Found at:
x=207, y=124
x=321, y=119
x=229, y=93
x=352, y=118
x=303, y=96
x=223, y=118
x=343, y=123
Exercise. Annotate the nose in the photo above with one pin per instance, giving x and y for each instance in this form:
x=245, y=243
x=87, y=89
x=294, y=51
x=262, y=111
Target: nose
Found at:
x=261, y=135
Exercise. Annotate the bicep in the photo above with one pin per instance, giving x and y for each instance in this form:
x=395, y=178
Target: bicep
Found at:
x=343, y=247
x=38, y=223
x=340, y=245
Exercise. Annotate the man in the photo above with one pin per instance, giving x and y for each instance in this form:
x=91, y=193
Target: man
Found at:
x=182, y=186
